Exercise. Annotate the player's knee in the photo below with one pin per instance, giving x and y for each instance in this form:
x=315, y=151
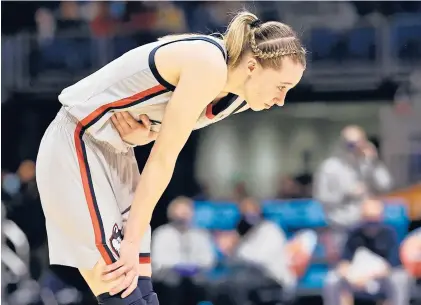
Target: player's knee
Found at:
x=93, y=278
x=135, y=298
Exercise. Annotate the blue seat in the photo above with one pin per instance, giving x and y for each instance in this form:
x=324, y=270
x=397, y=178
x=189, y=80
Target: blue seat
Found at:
x=216, y=215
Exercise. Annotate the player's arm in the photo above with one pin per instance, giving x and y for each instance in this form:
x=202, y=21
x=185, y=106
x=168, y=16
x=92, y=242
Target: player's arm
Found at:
x=202, y=78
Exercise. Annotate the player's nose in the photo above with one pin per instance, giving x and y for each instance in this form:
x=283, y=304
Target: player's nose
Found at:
x=279, y=101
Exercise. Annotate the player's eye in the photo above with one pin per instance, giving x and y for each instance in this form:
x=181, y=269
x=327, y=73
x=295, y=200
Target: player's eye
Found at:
x=282, y=88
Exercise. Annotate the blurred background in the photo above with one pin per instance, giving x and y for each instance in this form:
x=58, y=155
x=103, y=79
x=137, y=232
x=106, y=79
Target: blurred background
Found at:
x=339, y=163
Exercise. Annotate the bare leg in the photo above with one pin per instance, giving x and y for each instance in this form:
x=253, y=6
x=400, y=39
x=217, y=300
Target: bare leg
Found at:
x=93, y=277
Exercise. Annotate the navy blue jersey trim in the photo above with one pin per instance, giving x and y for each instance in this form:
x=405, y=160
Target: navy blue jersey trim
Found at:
x=152, y=64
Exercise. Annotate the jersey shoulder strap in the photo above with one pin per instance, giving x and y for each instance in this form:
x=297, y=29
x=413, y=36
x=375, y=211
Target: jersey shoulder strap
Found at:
x=152, y=65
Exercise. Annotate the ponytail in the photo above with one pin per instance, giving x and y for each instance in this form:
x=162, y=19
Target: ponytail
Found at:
x=237, y=36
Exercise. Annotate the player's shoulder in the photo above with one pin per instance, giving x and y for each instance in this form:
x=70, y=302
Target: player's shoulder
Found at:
x=202, y=49
x=199, y=59
x=207, y=61
x=207, y=54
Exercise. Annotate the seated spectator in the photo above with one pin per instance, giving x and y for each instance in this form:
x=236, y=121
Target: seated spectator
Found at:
x=370, y=262
x=180, y=256
x=259, y=258
x=264, y=243
x=345, y=179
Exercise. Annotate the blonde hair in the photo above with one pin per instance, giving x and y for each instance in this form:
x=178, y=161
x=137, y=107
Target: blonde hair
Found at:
x=269, y=42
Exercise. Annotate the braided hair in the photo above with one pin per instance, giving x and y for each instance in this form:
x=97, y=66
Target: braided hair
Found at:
x=269, y=42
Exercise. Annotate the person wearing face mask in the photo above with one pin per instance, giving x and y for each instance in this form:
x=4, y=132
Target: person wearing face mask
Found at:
x=180, y=255
x=369, y=262
x=345, y=179
x=266, y=257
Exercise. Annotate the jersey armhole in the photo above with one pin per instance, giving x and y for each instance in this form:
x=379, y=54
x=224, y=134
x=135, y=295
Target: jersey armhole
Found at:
x=151, y=59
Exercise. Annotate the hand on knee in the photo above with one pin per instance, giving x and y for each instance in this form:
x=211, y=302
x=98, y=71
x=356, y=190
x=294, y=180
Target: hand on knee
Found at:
x=107, y=291
x=95, y=280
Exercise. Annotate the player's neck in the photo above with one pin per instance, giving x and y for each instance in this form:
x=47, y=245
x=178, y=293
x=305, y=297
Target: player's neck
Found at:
x=235, y=81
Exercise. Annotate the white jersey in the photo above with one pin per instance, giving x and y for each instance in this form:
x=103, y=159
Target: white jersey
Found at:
x=132, y=83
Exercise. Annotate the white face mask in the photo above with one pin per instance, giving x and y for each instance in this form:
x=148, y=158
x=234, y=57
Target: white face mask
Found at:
x=11, y=184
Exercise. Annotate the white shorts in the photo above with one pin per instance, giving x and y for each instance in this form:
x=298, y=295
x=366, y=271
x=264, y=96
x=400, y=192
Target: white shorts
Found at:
x=86, y=189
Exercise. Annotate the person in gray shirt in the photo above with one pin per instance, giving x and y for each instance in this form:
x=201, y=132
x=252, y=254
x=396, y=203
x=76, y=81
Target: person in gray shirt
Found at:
x=181, y=254
x=344, y=180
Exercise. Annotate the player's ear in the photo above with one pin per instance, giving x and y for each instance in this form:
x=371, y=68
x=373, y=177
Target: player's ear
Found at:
x=252, y=65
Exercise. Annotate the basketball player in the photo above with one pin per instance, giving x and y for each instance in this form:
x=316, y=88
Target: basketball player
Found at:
x=87, y=174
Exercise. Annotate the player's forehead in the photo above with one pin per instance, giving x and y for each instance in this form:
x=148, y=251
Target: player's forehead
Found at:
x=289, y=74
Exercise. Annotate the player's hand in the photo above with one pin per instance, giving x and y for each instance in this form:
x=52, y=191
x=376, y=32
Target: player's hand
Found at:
x=131, y=131
x=127, y=265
